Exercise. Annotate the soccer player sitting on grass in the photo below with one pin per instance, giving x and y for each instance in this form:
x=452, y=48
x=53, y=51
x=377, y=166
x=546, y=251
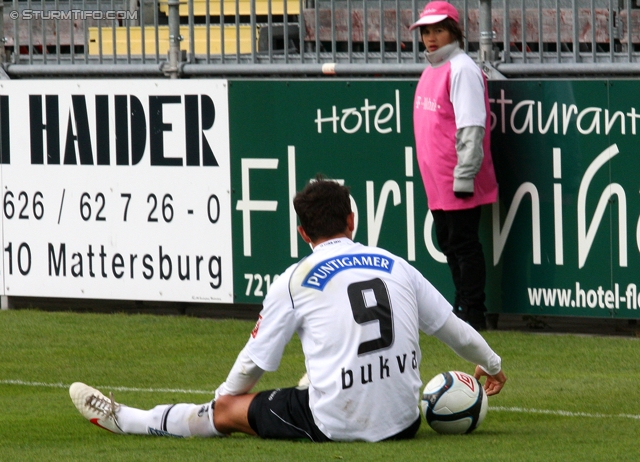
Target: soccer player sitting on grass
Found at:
x=358, y=311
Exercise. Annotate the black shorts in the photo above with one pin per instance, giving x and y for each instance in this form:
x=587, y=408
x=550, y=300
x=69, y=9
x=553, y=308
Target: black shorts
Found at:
x=284, y=413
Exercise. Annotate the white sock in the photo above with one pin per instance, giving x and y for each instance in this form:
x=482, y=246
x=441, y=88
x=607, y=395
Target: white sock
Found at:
x=132, y=421
x=169, y=420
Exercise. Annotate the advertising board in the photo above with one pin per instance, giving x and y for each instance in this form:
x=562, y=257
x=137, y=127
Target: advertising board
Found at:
x=116, y=189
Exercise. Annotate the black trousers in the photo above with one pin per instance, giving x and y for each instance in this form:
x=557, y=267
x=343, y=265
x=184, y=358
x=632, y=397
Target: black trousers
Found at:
x=457, y=232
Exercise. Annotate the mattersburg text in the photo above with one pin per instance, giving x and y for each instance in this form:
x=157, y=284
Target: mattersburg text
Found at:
x=95, y=262
x=619, y=297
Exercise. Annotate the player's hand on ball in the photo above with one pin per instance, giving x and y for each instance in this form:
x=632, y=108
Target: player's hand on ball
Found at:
x=494, y=383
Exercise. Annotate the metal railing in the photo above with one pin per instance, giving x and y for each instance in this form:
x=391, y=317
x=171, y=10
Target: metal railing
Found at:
x=307, y=37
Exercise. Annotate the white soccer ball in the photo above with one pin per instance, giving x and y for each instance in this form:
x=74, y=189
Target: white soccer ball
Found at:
x=454, y=402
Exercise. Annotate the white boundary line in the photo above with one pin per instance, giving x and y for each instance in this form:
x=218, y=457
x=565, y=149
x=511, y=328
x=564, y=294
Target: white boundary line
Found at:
x=562, y=413
x=109, y=387
x=205, y=392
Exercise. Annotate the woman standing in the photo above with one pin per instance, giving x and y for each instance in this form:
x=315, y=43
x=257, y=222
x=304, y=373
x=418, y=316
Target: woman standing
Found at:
x=451, y=121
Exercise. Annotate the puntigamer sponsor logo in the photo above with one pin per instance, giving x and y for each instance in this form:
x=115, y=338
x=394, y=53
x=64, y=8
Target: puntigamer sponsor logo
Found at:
x=322, y=273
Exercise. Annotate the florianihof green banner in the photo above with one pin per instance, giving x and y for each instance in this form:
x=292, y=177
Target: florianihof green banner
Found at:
x=563, y=239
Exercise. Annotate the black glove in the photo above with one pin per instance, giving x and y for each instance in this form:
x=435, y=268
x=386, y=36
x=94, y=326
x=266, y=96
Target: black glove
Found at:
x=462, y=195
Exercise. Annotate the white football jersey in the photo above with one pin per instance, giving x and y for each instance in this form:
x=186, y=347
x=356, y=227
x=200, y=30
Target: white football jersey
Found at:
x=358, y=311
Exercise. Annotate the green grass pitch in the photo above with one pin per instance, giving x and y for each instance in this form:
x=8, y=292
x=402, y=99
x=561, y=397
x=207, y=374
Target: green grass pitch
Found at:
x=568, y=397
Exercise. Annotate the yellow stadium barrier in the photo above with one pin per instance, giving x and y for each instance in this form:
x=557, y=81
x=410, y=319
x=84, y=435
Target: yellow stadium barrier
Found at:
x=231, y=37
x=244, y=7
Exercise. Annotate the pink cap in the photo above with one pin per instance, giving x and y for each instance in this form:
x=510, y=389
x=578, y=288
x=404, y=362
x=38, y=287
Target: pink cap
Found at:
x=435, y=12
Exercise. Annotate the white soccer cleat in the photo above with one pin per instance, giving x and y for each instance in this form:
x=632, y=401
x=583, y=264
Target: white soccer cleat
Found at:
x=95, y=407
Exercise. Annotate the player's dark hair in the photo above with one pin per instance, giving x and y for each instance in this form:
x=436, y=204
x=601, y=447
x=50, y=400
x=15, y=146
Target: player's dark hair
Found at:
x=323, y=207
x=454, y=29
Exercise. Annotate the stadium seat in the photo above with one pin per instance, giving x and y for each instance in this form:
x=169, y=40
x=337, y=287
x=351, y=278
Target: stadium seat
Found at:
x=244, y=7
x=200, y=39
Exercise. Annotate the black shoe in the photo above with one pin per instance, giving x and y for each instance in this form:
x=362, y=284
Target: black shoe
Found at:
x=477, y=320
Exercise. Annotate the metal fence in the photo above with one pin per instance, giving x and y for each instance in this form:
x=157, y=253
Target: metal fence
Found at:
x=306, y=37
